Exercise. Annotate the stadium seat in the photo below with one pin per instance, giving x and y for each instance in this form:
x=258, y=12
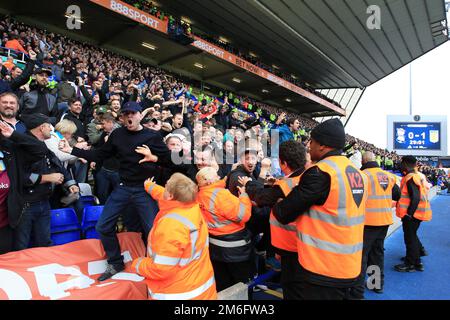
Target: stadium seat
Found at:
x=64, y=226
x=91, y=215
x=89, y=201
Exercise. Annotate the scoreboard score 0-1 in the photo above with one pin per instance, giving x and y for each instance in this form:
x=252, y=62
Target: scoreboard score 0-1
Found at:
x=419, y=135
x=414, y=135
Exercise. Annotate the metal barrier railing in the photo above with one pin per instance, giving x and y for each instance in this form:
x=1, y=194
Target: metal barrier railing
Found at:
x=261, y=278
x=19, y=56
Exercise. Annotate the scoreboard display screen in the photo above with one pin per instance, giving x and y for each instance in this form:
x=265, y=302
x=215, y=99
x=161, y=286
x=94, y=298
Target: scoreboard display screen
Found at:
x=417, y=135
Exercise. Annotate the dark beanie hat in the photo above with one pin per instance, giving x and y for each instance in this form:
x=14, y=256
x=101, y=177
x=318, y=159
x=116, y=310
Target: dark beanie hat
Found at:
x=34, y=120
x=330, y=133
x=410, y=160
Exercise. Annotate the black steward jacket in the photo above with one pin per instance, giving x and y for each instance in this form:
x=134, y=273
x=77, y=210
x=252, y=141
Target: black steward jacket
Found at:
x=268, y=197
x=313, y=189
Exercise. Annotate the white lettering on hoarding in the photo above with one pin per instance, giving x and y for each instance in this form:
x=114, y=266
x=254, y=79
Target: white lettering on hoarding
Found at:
x=16, y=288
x=208, y=48
x=48, y=285
x=277, y=80
x=133, y=14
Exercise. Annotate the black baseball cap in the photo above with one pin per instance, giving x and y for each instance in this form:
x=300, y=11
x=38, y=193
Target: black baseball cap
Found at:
x=34, y=120
x=43, y=70
x=131, y=106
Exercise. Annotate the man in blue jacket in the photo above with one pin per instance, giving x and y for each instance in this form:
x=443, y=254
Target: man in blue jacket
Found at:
x=285, y=132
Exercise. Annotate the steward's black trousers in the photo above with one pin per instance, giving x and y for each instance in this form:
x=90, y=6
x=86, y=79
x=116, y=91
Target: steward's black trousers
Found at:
x=373, y=255
x=412, y=242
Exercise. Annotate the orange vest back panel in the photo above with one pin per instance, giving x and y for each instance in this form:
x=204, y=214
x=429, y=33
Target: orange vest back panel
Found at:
x=189, y=275
x=330, y=236
x=379, y=201
x=284, y=236
x=423, y=211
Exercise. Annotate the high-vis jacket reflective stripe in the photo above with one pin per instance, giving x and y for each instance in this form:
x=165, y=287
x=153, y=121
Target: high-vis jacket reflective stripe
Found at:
x=174, y=261
x=423, y=211
x=330, y=236
x=223, y=212
x=190, y=295
x=178, y=265
x=379, y=201
x=284, y=236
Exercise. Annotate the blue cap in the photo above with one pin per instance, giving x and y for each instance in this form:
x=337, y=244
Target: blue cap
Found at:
x=131, y=106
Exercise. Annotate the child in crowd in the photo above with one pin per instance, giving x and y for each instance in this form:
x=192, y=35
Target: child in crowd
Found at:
x=178, y=266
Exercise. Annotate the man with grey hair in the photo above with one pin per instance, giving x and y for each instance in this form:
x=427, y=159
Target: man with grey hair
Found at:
x=382, y=189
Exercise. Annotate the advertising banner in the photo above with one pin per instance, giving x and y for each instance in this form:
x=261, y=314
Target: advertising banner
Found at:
x=157, y=24
x=134, y=14
x=70, y=272
x=241, y=63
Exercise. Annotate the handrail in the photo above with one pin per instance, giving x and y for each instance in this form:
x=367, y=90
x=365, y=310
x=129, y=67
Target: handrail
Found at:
x=17, y=54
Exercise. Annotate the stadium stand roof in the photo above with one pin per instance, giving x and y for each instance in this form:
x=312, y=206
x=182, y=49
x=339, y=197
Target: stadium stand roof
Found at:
x=325, y=43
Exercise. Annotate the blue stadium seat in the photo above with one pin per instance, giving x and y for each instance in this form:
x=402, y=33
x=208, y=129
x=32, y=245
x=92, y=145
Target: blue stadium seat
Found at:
x=89, y=200
x=91, y=214
x=64, y=226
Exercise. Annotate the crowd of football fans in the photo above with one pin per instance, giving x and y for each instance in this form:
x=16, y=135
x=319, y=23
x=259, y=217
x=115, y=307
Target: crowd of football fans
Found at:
x=82, y=88
x=149, y=7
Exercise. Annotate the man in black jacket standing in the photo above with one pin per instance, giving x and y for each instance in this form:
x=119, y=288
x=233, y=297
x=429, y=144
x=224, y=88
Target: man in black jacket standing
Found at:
x=382, y=191
x=328, y=207
x=133, y=171
x=292, y=159
x=17, y=150
x=259, y=221
x=39, y=99
x=413, y=208
x=40, y=178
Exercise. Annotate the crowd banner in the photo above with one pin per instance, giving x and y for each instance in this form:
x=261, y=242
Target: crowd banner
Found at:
x=70, y=272
x=134, y=13
x=160, y=25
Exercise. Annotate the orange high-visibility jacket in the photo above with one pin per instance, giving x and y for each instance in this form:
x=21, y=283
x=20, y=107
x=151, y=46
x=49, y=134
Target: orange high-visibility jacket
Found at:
x=379, y=200
x=284, y=236
x=178, y=266
x=330, y=236
x=224, y=212
x=423, y=211
x=15, y=45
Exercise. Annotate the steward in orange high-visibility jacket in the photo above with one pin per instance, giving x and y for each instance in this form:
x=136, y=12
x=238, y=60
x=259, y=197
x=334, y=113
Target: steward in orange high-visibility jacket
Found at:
x=229, y=240
x=292, y=159
x=328, y=206
x=178, y=266
x=413, y=208
x=382, y=190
